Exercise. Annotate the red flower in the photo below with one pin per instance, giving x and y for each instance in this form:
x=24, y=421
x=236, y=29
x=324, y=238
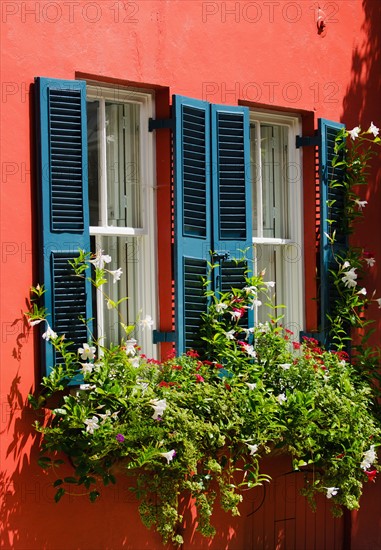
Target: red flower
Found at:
x=192, y=353
x=296, y=345
x=227, y=386
x=199, y=378
x=219, y=366
x=208, y=362
x=371, y=475
x=177, y=367
x=163, y=384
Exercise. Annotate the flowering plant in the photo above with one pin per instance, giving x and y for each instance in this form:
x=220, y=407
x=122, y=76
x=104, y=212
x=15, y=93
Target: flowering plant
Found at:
x=354, y=150
x=200, y=423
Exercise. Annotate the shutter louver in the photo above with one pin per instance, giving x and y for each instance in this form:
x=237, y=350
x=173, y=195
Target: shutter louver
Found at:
x=66, y=160
x=63, y=200
x=332, y=209
x=232, y=193
x=192, y=222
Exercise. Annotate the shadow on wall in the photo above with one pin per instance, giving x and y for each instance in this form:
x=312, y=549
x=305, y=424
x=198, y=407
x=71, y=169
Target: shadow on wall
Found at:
x=361, y=106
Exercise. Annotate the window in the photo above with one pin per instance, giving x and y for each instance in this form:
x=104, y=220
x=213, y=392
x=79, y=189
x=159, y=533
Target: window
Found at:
x=113, y=210
x=277, y=213
x=121, y=199
x=103, y=132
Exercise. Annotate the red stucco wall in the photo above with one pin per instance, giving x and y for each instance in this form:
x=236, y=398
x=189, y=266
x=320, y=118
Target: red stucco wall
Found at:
x=266, y=53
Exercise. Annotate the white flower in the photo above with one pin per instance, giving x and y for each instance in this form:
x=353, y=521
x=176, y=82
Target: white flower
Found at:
x=87, y=368
x=345, y=265
x=349, y=278
x=49, y=334
x=130, y=347
x=142, y=385
x=269, y=284
x=135, y=362
x=355, y=132
x=248, y=331
x=370, y=261
x=220, y=307
x=250, y=289
x=362, y=291
x=252, y=448
x=236, y=314
x=92, y=424
x=249, y=350
x=100, y=259
x=159, y=406
x=35, y=322
x=116, y=274
x=147, y=322
x=110, y=304
x=108, y=415
x=255, y=303
x=169, y=455
x=332, y=491
x=285, y=366
x=379, y=302
x=361, y=204
x=87, y=352
x=368, y=458
x=281, y=398
x=251, y=386
x=373, y=130
x=263, y=327
x=230, y=334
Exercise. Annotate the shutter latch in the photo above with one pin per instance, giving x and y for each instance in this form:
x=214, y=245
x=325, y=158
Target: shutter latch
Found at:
x=224, y=256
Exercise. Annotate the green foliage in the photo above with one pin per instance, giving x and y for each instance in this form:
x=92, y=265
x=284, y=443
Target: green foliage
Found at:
x=354, y=151
x=199, y=424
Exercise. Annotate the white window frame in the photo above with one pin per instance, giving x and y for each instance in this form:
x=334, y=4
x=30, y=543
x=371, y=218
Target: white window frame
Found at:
x=146, y=236
x=294, y=268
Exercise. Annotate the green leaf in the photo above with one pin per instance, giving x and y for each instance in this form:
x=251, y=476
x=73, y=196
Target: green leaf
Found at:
x=44, y=462
x=57, y=482
x=94, y=495
x=70, y=480
x=59, y=494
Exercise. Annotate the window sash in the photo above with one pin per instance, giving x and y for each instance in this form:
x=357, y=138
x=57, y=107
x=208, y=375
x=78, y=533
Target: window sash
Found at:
x=139, y=279
x=286, y=247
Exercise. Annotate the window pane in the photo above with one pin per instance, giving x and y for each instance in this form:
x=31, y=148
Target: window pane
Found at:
x=93, y=159
x=274, y=180
x=122, y=159
x=123, y=251
x=268, y=258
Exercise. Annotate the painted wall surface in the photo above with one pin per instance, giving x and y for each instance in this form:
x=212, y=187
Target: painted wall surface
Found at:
x=260, y=53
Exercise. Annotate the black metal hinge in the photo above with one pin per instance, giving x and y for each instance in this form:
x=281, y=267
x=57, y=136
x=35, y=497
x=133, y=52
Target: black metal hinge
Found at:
x=160, y=123
x=304, y=141
x=159, y=336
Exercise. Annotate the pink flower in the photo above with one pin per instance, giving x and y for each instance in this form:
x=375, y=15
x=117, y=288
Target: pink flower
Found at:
x=371, y=475
x=199, y=378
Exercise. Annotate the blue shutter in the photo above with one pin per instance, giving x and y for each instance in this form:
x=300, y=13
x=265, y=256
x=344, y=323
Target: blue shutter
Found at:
x=192, y=199
x=328, y=131
x=63, y=201
x=232, y=200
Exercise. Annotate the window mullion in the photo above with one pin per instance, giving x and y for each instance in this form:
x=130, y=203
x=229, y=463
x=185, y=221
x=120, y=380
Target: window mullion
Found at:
x=259, y=180
x=102, y=163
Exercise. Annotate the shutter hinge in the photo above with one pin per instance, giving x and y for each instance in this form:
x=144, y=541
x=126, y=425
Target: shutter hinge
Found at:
x=162, y=336
x=303, y=141
x=160, y=123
